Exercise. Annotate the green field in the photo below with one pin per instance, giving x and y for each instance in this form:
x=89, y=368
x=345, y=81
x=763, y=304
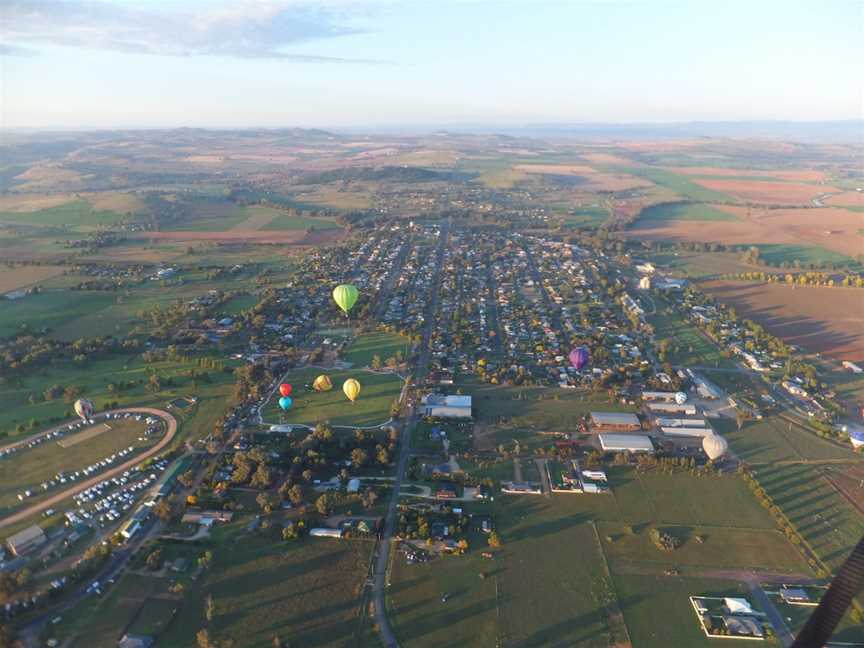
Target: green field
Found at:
x=382, y=344
x=527, y=407
x=776, y=254
x=29, y=467
x=307, y=592
x=77, y=213
x=541, y=591
x=372, y=407
x=683, y=211
x=774, y=439
x=824, y=517
x=99, y=622
x=678, y=183
x=658, y=612
x=581, y=216
x=93, y=378
x=290, y=222
x=51, y=309
x=687, y=345
x=236, y=305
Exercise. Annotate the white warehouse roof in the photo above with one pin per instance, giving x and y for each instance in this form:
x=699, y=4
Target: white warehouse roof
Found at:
x=630, y=442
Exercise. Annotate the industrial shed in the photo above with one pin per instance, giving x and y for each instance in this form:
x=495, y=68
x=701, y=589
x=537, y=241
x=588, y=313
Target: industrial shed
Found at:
x=615, y=421
x=26, y=541
x=626, y=442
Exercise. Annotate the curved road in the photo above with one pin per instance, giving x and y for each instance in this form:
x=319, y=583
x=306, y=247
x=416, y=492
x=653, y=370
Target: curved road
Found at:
x=108, y=474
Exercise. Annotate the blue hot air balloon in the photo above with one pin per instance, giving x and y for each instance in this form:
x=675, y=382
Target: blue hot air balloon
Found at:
x=285, y=403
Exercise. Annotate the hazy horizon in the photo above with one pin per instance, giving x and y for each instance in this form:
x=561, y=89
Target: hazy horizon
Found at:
x=82, y=64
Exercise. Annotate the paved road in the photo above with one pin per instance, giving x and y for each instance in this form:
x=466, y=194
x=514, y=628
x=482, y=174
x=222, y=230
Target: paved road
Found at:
x=108, y=474
x=382, y=559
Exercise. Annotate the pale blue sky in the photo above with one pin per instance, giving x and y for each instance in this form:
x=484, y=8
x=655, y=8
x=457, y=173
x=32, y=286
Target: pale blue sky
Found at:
x=209, y=63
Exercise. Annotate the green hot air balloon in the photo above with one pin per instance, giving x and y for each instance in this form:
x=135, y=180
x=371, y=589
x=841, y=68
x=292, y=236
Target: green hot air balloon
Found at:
x=345, y=296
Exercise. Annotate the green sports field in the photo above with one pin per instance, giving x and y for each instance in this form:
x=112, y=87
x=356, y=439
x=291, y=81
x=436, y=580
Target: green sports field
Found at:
x=380, y=343
x=372, y=407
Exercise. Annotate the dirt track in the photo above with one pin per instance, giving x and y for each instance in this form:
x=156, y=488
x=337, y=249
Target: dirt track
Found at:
x=108, y=474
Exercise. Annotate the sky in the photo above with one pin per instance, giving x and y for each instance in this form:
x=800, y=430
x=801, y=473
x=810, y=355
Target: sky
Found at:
x=365, y=63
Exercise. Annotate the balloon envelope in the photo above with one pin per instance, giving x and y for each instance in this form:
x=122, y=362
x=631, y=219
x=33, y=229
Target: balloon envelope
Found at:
x=285, y=389
x=84, y=408
x=715, y=446
x=680, y=398
x=322, y=383
x=579, y=357
x=286, y=402
x=351, y=388
x=345, y=296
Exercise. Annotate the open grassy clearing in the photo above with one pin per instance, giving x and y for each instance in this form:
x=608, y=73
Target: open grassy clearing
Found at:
x=93, y=378
x=822, y=515
x=76, y=214
x=697, y=265
x=26, y=276
x=380, y=343
x=684, y=211
x=99, y=622
x=777, y=254
x=538, y=407
x=372, y=407
x=51, y=309
x=658, y=612
x=677, y=183
x=582, y=216
x=306, y=592
x=29, y=467
x=773, y=439
x=797, y=615
x=687, y=345
x=238, y=304
x=291, y=222
x=548, y=579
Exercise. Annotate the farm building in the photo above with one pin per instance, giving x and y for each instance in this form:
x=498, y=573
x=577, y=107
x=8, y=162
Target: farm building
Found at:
x=206, y=517
x=440, y=406
x=615, y=421
x=26, y=541
x=673, y=408
x=626, y=442
x=681, y=422
x=135, y=641
x=795, y=596
x=687, y=431
x=322, y=532
x=706, y=389
x=664, y=397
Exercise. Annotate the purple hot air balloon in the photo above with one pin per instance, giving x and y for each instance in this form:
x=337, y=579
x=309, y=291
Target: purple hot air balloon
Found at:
x=579, y=357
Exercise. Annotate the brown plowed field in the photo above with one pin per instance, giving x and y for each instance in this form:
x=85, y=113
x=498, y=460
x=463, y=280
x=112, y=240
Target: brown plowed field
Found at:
x=847, y=199
x=822, y=320
x=830, y=227
x=763, y=191
x=793, y=175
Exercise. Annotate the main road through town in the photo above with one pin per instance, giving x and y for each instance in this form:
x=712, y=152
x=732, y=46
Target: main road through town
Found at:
x=382, y=559
x=45, y=504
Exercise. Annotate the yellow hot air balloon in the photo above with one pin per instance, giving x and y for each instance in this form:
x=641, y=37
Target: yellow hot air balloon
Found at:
x=345, y=296
x=351, y=388
x=322, y=383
